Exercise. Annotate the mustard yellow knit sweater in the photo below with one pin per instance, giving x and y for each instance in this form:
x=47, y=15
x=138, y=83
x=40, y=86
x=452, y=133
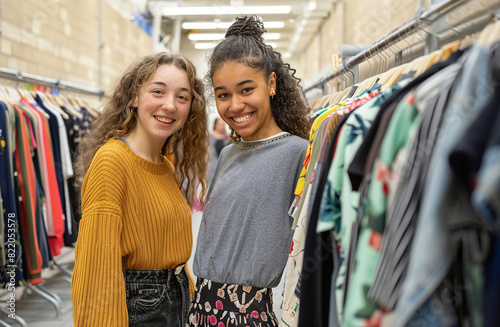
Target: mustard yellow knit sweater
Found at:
x=134, y=217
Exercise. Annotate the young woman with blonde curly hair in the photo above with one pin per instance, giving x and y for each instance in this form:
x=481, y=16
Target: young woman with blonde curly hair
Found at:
x=135, y=233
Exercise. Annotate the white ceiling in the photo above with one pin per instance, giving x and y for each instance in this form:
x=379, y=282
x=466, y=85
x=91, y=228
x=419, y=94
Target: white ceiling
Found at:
x=300, y=25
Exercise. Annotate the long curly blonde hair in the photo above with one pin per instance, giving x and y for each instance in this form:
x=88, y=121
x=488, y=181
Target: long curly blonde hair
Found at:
x=188, y=146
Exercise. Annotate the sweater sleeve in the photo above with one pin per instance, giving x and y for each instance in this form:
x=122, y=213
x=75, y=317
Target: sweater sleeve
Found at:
x=98, y=287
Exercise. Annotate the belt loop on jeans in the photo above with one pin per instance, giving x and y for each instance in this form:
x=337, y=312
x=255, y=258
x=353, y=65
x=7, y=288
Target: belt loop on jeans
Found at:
x=178, y=269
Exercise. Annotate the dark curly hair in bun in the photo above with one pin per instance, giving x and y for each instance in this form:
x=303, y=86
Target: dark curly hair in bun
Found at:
x=244, y=43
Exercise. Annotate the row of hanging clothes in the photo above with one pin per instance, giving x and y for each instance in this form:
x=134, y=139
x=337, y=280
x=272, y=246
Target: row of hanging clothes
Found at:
x=39, y=133
x=397, y=206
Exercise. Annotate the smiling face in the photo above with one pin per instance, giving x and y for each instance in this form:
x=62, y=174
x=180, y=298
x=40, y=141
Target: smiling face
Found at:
x=163, y=104
x=243, y=101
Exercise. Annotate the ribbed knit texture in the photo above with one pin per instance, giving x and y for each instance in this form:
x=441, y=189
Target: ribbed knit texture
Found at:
x=134, y=217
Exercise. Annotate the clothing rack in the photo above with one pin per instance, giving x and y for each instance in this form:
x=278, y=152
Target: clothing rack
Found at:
x=418, y=23
x=50, y=82
x=41, y=293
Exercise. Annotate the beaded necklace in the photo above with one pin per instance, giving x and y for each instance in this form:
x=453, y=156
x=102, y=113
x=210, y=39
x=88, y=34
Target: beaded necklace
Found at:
x=261, y=144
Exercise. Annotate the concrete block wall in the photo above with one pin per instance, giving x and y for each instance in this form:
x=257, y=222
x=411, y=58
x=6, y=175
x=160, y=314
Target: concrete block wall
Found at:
x=59, y=39
x=366, y=21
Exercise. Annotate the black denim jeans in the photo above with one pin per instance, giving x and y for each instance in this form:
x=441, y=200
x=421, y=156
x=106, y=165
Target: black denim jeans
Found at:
x=157, y=297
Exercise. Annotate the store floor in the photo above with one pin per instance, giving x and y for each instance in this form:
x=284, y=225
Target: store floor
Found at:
x=37, y=312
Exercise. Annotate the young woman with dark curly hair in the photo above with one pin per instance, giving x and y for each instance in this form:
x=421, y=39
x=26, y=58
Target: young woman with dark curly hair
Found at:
x=245, y=232
x=135, y=232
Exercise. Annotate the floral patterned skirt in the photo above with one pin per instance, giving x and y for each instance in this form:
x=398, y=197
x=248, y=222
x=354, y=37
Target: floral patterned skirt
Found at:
x=228, y=305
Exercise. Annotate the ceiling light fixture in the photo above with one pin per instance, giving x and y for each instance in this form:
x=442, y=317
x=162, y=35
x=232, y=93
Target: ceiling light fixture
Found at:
x=226, y=10
x=220, y=36
x=223, y=25
x=204, y=45
x=205, y=36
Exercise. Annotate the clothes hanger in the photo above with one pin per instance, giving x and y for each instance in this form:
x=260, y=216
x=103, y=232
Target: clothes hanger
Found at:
x=26, y=94
x=386, y=76
x=370, y=71
x=371, y=83
x=490, y=33
x=321, y=102
x=378, y=72
x=388, y=72
x=399, y=68
x=80, y=103
x=380, y=66
x=75, y=111
x=14, y=94
x=48, y=103
x=54, y=99
x=338, y=96
x=416, y=38
x=343, y=80
x=18, y=94
x=350, y=78
x=4, y=92
x=448, y=49
x=90, y=105
x=429, y=60
x=3, y=99
x=362, y=86
x=60, y=103
x=372, y=76
x=373, y=69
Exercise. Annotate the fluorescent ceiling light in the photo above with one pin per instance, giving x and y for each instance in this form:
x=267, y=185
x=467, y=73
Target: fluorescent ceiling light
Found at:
x=202, y=26
x=209, y=45
x=272, y=36
x=311, y=5
x=205, y=36
x=223, y=25
x=204, y=45
x=220, y=36
x=226, y=10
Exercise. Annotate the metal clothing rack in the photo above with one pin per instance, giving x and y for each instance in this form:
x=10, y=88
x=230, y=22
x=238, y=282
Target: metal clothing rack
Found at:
x=43, y=293
x=19, y=76
x=418, y=23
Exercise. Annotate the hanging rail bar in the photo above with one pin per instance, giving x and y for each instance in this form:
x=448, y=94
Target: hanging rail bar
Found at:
x=51, y=82
x=390, y=39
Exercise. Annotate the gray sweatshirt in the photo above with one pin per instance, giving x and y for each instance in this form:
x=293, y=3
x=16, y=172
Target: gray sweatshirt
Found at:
x=245, y=232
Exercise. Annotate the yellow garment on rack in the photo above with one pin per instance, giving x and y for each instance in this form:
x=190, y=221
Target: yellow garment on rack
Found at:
x=429, y=60
x=301, y=182
x=448, y=49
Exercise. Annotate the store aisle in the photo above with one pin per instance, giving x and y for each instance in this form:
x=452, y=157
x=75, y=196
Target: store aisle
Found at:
x=38, y=312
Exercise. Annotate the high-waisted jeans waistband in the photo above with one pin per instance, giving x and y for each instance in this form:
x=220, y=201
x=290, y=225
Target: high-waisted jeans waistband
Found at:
x=157, y=297
x=152, y=275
